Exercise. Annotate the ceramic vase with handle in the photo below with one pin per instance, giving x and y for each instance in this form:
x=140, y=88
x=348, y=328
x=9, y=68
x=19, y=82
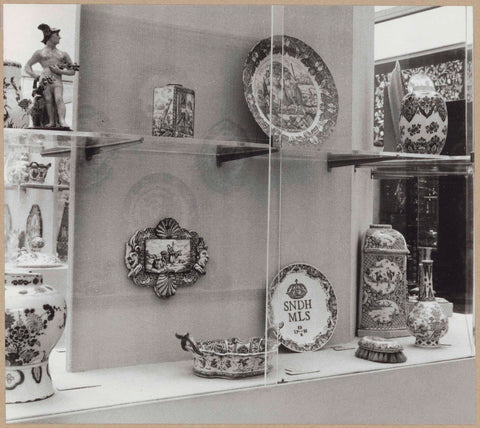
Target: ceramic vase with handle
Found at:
x=427, y=321
x=35, y=315
x=423, y=120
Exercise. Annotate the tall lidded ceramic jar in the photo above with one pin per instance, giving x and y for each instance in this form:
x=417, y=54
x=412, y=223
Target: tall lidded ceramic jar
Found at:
x=423, y=120
x=35, y=315
x=382, y=308
x=427, y=321
x=15, y=108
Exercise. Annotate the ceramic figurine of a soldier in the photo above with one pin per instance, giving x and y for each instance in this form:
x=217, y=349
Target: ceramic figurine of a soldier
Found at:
x=48, y=85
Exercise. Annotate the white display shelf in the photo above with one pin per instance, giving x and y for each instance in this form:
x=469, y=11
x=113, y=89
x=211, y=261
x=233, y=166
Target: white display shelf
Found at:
x=41, y=186
x=393, y=162
x=340, y=360
x=151, y=383
x=60, y=143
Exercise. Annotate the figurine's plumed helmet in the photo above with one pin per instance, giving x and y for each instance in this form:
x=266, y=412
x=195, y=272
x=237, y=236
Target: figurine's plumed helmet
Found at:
x=47, y=32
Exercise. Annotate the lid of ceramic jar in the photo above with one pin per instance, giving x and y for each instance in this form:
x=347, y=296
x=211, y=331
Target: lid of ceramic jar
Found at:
x=420, y=83
x=23, y=278
x=383, y=238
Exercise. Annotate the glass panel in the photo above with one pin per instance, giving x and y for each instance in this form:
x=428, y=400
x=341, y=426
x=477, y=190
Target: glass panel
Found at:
x=423, y=196
x=430, y=201
x=225, y=204
x=306, y=292
x=268, y=76
x=220, y=183
x=227, y=216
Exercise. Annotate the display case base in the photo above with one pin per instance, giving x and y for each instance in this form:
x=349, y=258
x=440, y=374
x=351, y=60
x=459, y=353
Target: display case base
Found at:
x=108, y=395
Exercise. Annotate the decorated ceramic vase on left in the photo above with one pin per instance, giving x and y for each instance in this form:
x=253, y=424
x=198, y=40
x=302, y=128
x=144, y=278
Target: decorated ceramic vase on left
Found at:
x=15, y=108
x=35, y=315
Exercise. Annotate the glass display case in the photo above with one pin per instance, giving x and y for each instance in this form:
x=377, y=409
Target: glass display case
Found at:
x=218, y=198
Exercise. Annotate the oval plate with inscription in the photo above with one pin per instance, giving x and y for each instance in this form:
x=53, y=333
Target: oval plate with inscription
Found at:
x=303, y=300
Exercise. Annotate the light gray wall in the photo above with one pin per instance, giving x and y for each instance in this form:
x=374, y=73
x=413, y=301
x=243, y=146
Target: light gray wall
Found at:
x=125, y=52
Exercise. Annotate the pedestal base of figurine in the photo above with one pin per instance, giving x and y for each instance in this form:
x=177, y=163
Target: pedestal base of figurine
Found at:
x=402, y=332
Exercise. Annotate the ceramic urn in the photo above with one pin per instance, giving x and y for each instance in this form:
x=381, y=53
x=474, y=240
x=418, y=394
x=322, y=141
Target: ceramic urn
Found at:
x=382, y=309
x=427, y=321
x=35, y=315
x=423, y=120
x=15, y=108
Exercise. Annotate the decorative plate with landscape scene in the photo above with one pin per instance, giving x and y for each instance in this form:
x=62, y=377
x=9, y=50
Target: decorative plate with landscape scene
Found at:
x=303, y=302
x=290, y=92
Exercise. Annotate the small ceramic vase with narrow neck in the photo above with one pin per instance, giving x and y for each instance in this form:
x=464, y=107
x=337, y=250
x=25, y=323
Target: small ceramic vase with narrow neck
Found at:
x=427, y=321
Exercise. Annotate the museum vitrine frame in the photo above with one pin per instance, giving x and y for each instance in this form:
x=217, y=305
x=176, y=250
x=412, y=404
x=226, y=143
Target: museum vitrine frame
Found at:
x=296, y=206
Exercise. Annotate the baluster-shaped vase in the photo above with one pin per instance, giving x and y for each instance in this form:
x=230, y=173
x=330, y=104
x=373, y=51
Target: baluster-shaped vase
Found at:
x=35, y=316
x=427, y=321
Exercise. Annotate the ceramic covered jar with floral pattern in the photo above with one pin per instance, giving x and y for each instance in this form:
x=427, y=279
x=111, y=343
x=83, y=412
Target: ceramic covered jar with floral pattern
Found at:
x=35, y=315
x=382, y=309
x=423, y=121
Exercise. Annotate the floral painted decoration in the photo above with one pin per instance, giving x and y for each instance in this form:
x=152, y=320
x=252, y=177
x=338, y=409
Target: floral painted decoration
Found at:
x=35, y=317
x=23, y=334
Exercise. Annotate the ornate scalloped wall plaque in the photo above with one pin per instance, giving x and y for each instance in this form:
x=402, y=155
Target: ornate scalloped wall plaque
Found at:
x=165, y=256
